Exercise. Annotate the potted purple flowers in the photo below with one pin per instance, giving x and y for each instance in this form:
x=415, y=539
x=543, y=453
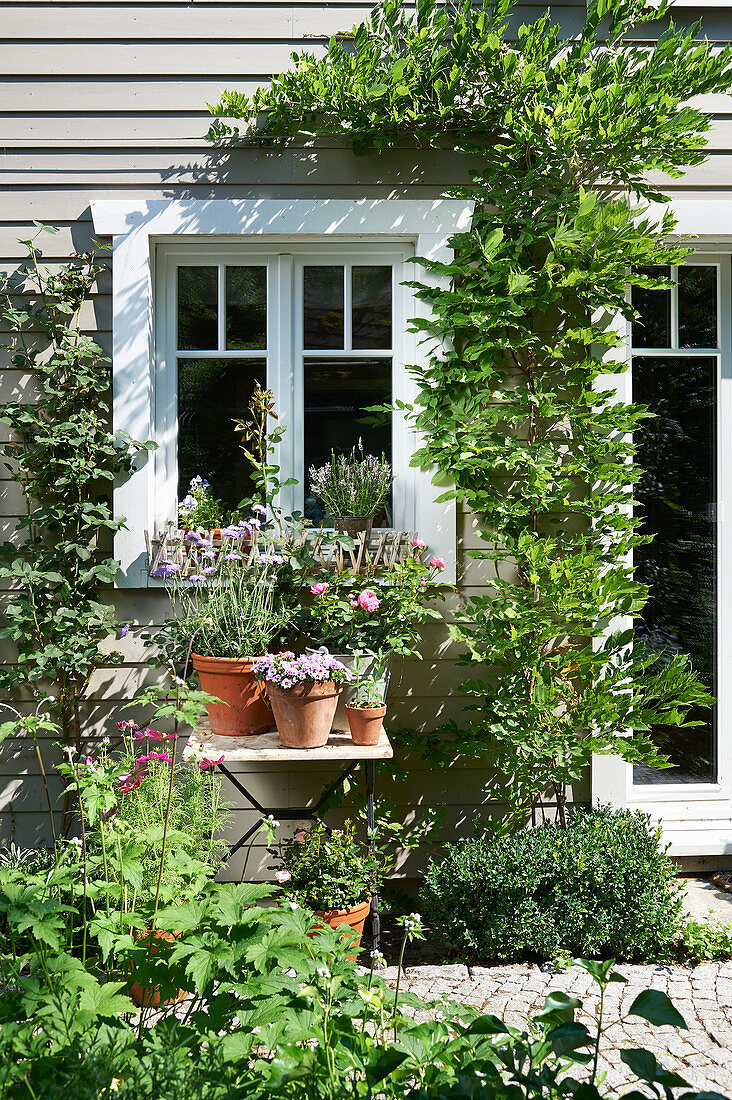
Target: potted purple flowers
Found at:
x=303, y=693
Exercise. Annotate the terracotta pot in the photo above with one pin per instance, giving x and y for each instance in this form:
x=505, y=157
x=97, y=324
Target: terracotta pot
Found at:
x=243, y=709
x=143, y=994
x=354, y=917
x=348, y=660
x=366, y=723
x=353, y=525
x=304, y=713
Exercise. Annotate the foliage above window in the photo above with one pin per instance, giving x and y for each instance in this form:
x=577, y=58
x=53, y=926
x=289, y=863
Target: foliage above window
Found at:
x=562, y=135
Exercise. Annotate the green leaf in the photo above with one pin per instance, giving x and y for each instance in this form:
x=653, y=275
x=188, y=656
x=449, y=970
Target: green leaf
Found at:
x=655, y=1006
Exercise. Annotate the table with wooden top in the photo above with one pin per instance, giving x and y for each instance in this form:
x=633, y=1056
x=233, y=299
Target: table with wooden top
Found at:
x=267, y=748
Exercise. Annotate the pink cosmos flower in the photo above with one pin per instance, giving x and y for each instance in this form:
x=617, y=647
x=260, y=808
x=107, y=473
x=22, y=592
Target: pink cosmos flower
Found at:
x=418, y=544
x=319, y=588
x=368, y=600
x=283, y=876
x=437, y=563
x=207, y=763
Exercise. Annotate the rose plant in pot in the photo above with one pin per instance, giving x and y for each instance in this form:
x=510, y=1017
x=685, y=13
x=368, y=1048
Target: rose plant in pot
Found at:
x=227, y=617
x=333, y=872
x=352, y=489
x=303, y=693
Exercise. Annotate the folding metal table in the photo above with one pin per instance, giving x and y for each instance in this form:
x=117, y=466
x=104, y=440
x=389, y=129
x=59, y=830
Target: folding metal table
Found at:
x=266, y=748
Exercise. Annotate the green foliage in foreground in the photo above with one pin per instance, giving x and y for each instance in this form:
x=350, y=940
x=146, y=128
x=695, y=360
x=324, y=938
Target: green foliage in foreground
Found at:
x=511, y=407
x=601, y=887
x=271, y=1012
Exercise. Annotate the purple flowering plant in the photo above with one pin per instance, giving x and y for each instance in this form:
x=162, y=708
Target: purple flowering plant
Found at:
x=285, y=670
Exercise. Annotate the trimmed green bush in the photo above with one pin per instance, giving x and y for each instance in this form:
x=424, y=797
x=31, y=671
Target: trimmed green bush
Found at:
x=601, y=887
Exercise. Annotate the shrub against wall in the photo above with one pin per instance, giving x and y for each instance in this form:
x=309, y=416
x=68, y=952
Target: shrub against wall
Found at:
x=601, y=887
x=565, y=132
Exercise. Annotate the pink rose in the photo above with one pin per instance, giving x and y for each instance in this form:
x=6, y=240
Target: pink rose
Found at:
x=418, y=544
x=437, y=563
x=368, y=600
x=300, y=836
x=283, y=876
x=319, y=588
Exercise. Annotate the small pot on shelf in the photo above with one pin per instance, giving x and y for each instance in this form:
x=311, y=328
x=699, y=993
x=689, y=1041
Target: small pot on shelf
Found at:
x=303, y=714
x=365, y=723
x=243, y=710
x=354, y=525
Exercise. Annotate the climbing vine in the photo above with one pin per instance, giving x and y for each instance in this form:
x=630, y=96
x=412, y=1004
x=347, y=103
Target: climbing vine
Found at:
x=562, y=135
x=64, y=457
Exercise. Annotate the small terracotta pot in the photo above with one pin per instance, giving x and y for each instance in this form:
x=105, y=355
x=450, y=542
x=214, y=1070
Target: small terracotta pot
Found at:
x=143, y=994
x=353, y=525
x=366, y=724
x=354, y=917
x=243, y=709
x=304, y=713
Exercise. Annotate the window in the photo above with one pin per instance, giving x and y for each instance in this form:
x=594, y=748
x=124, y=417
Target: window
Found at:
x=307, y=294
x=316, y=326
x=675, y=371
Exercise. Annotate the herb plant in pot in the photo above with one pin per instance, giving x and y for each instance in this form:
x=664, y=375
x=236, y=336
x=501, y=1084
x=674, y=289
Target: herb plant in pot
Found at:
x=351, y=489
x=333, y=873
x=303, y=693
x=366, y=711
x=230, y=617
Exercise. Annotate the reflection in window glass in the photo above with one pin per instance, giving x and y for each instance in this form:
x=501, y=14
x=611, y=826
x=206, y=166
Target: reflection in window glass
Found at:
x=371, y=307
x=246, y=308
x=198, y=308
x=677, y=498
x=697, y=307
x=211, y=392
x=653, y=328
x=337, y=391
x=323, y=307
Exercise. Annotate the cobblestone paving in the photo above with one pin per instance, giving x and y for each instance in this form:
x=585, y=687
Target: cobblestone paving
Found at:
x=702, y=994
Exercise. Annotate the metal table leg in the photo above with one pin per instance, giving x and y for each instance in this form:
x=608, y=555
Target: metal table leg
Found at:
x=370, y=768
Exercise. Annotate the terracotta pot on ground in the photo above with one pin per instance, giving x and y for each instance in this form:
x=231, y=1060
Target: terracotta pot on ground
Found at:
x=366, y=723
x=355, y=917
x=353, y=525
x=142, y=994
x=243, y=709
x=304, y=713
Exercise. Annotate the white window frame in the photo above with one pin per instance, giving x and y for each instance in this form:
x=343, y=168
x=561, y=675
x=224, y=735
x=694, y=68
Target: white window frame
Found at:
x=696, y=817
x=144, y=231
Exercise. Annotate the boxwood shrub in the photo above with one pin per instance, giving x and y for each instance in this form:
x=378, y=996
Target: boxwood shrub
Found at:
x=602, y=887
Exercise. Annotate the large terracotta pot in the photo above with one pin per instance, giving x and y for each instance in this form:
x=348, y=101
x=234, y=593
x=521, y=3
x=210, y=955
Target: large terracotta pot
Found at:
x=354, y=917
x=243, y=708
x=143, y=994
x=304, y=713
x=367, y=724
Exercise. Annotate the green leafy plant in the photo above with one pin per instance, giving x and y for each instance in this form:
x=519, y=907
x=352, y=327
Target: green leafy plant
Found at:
x=352, y=486
x=601, y=886
x=64, y=456
x=200, y=508
x=329, y=869
x=702, y=940
x=511, y=409
x=259, y=445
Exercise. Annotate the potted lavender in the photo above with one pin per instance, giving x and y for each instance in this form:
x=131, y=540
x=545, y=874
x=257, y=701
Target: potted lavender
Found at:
x=303, y=693
x=352, y=489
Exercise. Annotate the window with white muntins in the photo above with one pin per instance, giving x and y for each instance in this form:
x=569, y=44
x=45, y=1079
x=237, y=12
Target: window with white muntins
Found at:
x=304, y=297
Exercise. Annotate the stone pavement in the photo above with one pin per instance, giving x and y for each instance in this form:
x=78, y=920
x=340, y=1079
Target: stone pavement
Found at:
x=702, y=1055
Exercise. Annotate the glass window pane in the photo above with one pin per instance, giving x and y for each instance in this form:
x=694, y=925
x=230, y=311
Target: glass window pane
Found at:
x=371, y=307
x=677, y=497
x=246, y=308
x=337, y=391
x=697, y=307
x=323, y=307
x=653, y=329
x=211, y=392
x=198, y=308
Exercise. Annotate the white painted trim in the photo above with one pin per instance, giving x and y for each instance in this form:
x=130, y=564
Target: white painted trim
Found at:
x=137, y=226
x=691, y=814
